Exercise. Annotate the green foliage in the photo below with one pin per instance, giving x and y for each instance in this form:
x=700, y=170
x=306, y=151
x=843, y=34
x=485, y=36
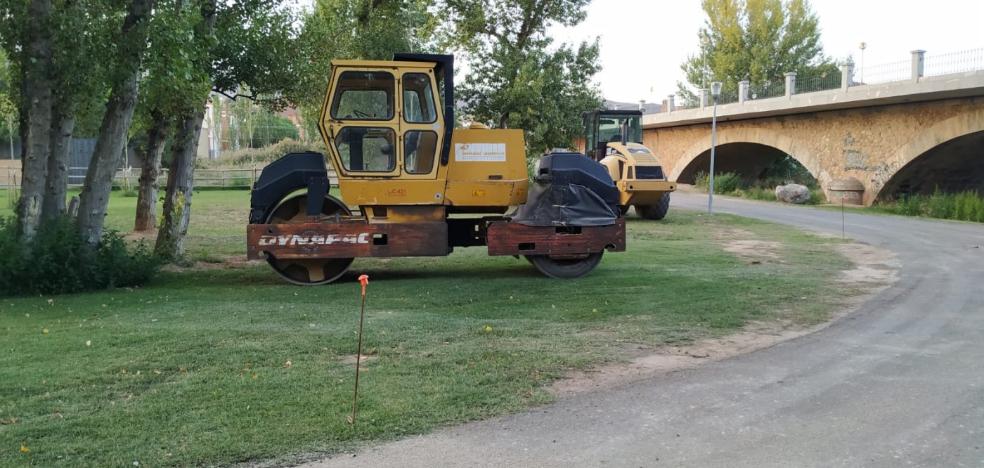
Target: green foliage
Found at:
x=730, y=183
x=756, y=193
x=516, y=78
x=727, y=182
x=8, y=96
x=250, y=157
x=755, y=40
x=271, y=129
x=255, y=49
x=175, y=80
x=59, y=261
x=356, y=29
x=964, y=206
x=787, y=170
x=724, y=182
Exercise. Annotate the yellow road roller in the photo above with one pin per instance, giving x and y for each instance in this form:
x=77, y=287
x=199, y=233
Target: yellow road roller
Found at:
x=410, y=184
x=614, y=138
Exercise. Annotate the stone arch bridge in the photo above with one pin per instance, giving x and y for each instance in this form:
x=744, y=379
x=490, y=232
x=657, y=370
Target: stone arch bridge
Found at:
x=912, y=136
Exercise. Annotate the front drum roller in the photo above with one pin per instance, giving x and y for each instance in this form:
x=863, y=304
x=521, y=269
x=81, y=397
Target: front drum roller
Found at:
x=564, y=268
x=307, y=272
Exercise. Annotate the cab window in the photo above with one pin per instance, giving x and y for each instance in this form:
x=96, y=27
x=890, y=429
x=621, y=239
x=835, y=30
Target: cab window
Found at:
x=366, y=149
x=419, y=148
x=418, y=99
x=610, y=129
x=363, y=95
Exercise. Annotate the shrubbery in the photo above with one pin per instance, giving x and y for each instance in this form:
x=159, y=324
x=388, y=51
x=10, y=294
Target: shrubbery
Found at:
x=58, y=261
x=964, y=206
x=262, y=156
x=729, y=183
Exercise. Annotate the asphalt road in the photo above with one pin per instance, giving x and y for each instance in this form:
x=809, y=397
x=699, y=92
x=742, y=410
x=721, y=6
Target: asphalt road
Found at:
x=900, y=382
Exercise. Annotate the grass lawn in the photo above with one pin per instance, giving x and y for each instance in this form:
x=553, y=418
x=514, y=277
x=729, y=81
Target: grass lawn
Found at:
x=222, y=364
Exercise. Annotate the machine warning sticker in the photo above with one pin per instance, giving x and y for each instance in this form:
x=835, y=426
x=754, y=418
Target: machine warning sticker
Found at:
x=480, y=152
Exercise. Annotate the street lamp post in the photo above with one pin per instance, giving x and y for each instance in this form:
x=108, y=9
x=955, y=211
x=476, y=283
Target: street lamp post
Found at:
x=862, y=46
x=715, y=93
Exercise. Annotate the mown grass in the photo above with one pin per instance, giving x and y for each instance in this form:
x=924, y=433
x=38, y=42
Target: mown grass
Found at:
x=218, y=216
x=218, y=365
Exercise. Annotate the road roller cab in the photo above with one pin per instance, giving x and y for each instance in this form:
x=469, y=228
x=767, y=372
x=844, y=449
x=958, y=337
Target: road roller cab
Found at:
x=614, y=138
x=410, y=184
x=393, y=142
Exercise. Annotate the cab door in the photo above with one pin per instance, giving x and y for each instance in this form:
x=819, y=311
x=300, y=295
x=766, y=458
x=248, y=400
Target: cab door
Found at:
x=421, y=130
x=361, y=122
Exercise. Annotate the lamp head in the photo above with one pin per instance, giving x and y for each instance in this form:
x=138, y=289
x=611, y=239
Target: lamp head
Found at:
x=716, y=89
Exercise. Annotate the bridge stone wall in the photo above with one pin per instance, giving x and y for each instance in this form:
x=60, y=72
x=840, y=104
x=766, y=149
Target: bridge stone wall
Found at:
x=869, y=144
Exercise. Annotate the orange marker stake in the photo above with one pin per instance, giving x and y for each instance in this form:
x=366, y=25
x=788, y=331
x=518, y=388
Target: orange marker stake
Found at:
x=363, y=280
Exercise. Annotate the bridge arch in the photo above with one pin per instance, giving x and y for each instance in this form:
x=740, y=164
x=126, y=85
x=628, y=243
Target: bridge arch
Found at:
x=746, y=137
x=951, y=151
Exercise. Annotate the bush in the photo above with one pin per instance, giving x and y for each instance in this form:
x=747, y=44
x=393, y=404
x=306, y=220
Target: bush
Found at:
x=729, y=183
x=964, y=206
x=58, y=261
x=700, y=181
x=757, y=193
x=260, y=156
x=724, y=182
x=270, y=129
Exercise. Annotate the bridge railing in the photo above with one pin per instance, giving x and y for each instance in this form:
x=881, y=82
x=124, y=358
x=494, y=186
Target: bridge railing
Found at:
x=728, y=96
x=918, y=66
x=883, y=73
x=766, y=90
x=818, y=83
x=954, y=62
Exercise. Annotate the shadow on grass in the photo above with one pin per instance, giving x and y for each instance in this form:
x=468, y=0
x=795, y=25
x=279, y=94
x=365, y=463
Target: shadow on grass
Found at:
x=260, y=274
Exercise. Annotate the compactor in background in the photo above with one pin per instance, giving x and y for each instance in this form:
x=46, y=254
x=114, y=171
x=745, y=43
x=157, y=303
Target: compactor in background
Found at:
x=423, y=187
x=614, y=138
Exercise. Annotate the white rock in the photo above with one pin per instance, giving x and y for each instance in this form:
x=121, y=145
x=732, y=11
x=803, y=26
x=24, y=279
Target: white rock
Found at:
x=793, y=193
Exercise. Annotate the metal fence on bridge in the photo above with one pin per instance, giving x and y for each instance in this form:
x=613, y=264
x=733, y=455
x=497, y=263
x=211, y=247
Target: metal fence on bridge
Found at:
x=919, y=65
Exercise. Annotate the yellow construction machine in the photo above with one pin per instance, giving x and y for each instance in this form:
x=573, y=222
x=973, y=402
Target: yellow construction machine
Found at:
x=410, y=184
x=614, y=138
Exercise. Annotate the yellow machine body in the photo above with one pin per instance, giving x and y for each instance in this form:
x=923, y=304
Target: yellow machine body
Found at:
x=614, y=138
x=389, y=160
x=624, y=162
x=423, y=187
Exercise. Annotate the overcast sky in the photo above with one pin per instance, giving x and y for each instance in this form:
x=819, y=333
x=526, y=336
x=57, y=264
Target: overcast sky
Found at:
x=643, y=42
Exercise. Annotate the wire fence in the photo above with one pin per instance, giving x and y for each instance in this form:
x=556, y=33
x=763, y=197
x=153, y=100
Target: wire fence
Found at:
x=818, y=83
x=728, y=96
x=953, y=62
x=129, y=178
x=766, y=90
x=687, y=102
x=884, y=73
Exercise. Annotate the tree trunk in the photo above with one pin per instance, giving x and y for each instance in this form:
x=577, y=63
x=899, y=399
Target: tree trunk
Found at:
x=37, y=125
x=176, y=213
x=180, y=183
x=115, y=124
x=150, y=168
x=62, y=125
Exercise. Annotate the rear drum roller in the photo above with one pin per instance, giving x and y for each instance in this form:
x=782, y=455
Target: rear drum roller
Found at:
x=657, y=211
x=314, y=271
x=565, y=268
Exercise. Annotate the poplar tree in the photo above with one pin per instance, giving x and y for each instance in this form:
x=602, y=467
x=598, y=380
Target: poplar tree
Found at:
x=517, y=78
x=755, y=40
